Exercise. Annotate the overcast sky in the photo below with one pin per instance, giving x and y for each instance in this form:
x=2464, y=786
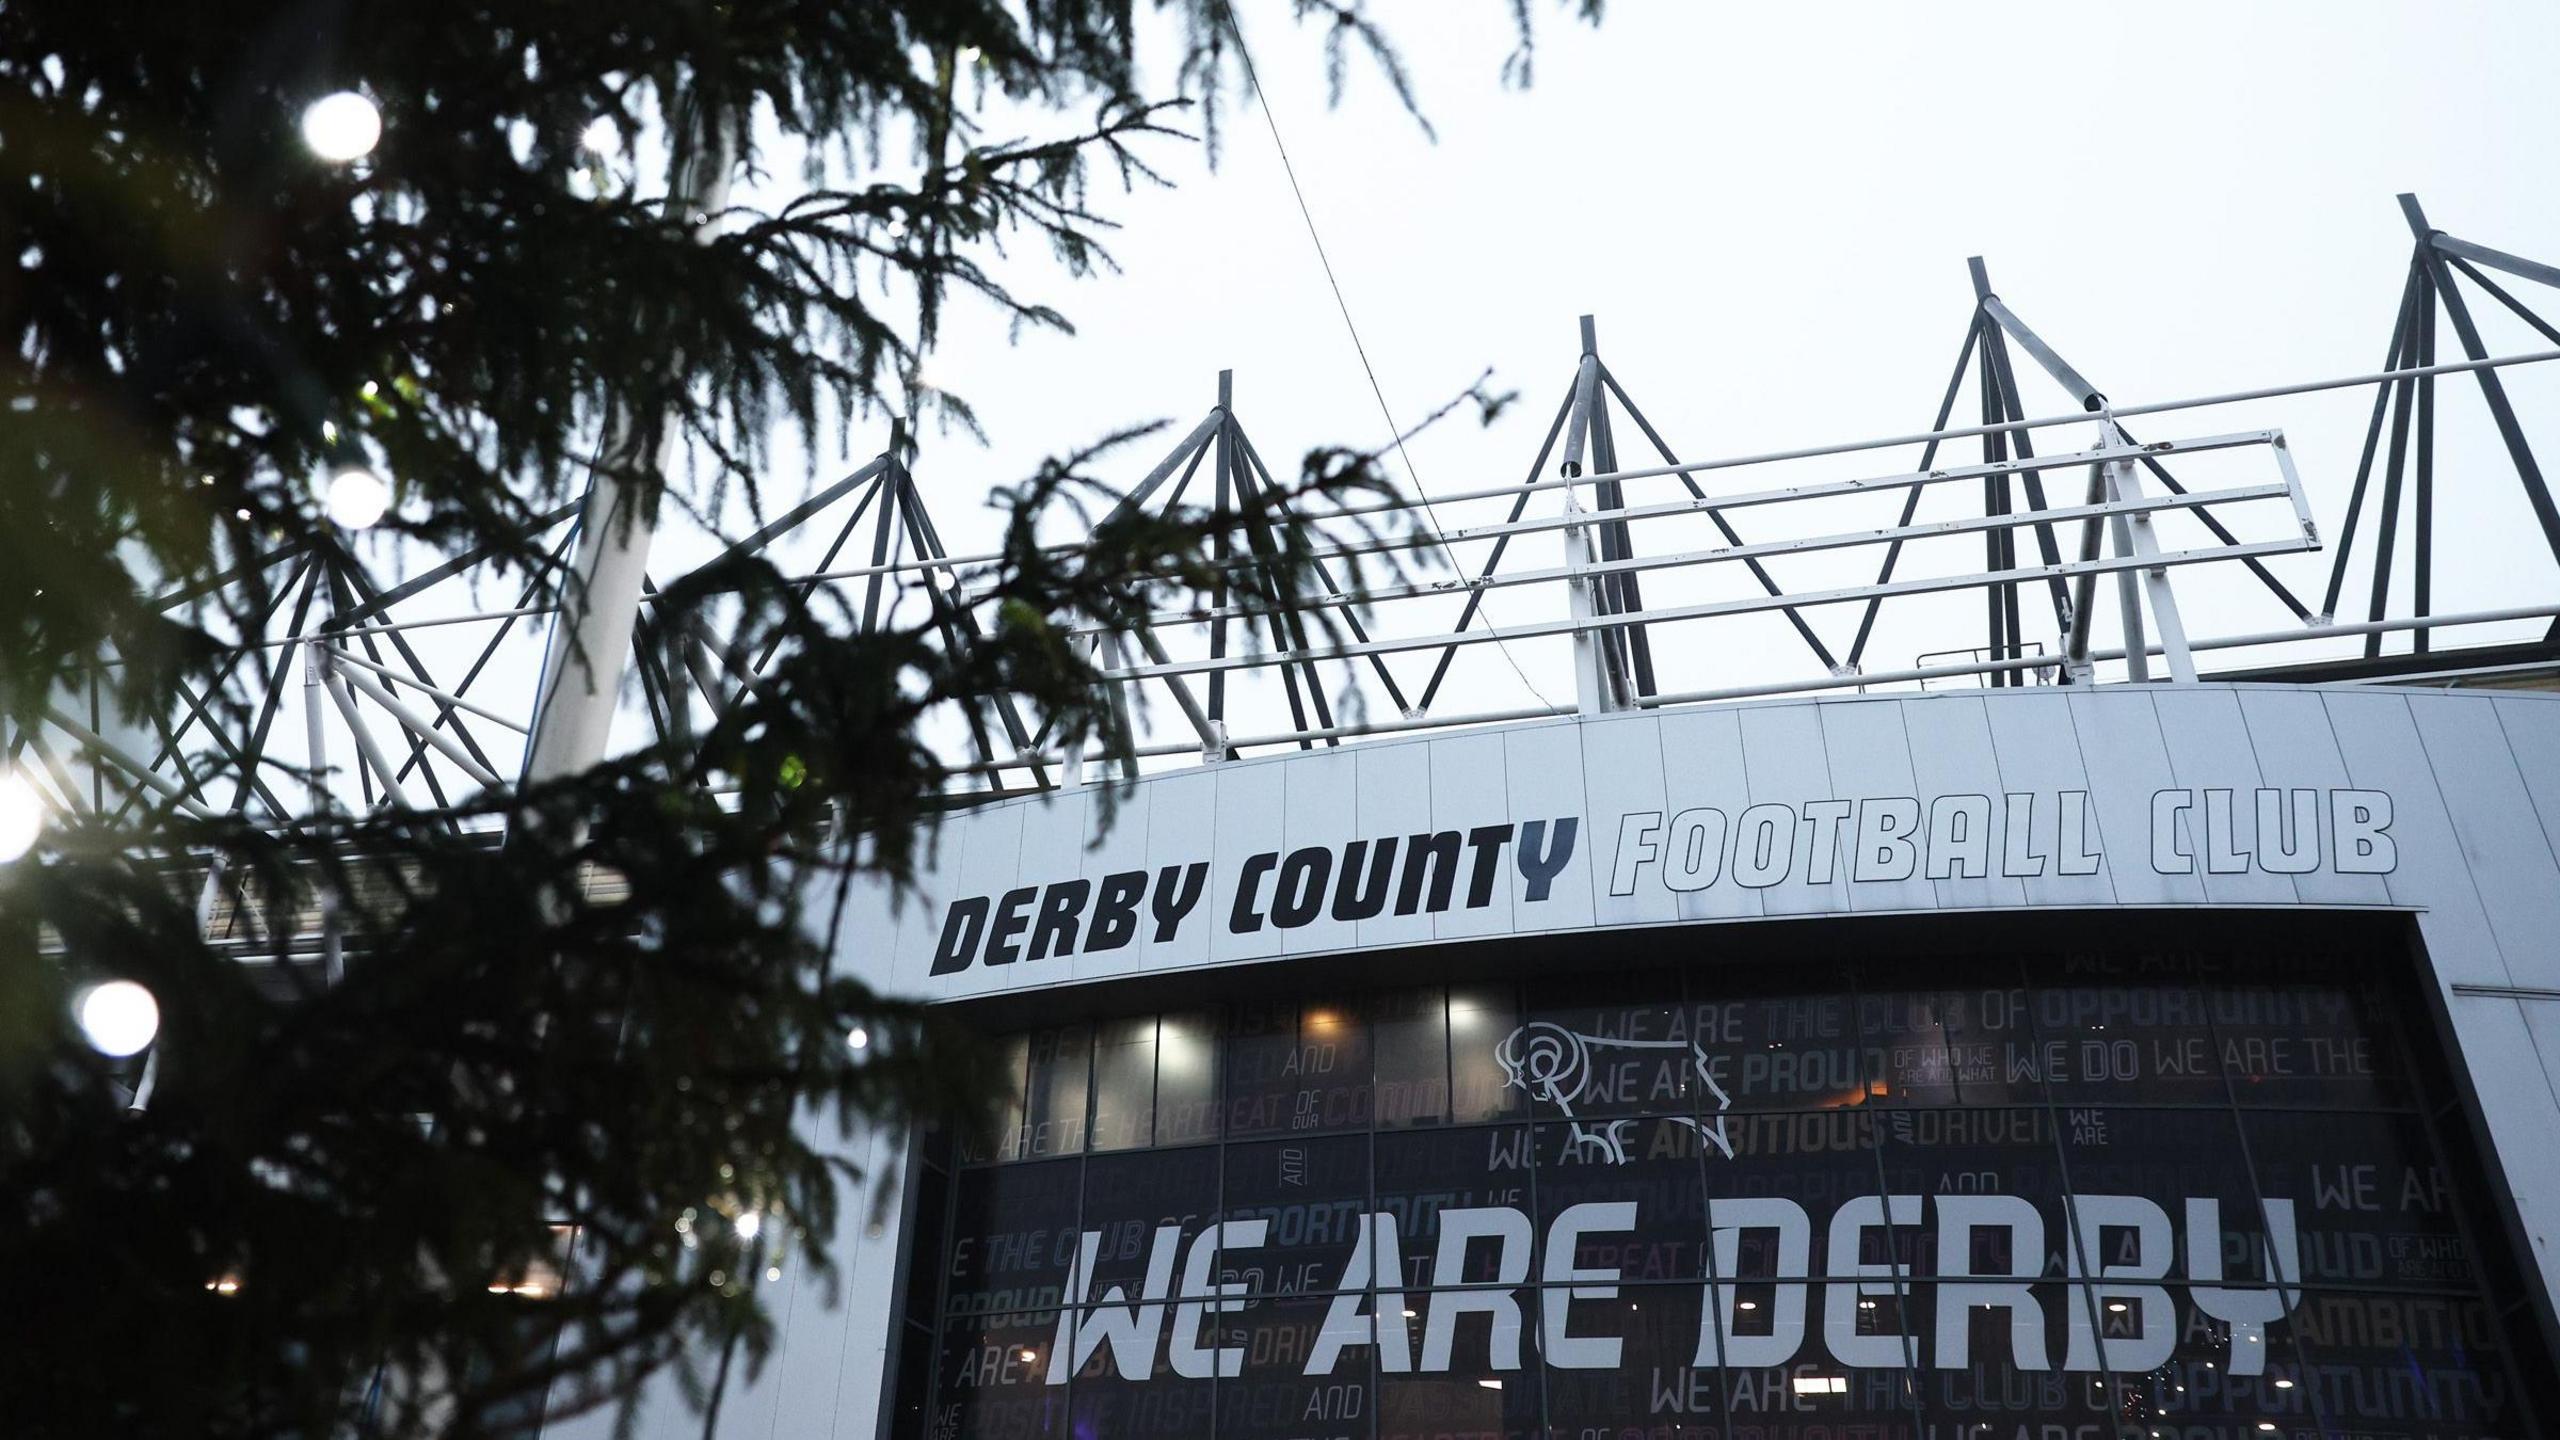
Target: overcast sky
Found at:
x=1769, y=208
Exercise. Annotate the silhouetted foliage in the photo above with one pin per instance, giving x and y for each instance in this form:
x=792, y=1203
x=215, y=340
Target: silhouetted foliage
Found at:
x=342, y=1208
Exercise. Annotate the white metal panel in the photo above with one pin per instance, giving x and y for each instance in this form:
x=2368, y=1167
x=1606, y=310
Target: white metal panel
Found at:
x=2296, y=750
x=2039, y=750
x=1053, y=835
x=1952, y=755
x=1702, y=770
x=2210, y=755
x=2383, y=751
x=1543, y=769
x=2128, y=765
x=2532, y=725
x=1870, y=756
x=1250, y=822
x=1322, y=811
x=1182, y=811
x=808, y=1360
x=1469, y=788
x=2513, y=1081
x=869, y=1310
x=1395, y=800
x=867, y=946
x=1114, y=841
x=2502, y=840
x=1622, y=772
x=1784, y=765
x=990, y=865
x=938, y=862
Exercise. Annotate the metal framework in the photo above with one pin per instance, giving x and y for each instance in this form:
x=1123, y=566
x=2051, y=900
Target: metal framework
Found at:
x=1635, y=565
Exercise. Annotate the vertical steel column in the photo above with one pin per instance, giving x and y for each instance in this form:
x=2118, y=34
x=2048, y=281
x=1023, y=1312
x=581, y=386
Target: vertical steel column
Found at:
x=2124, y=482
x=1998, y=636
x=315, y=671
x=2395, y=465
x=2426, y=538
x=1630, y=649
x=591, y=636
x=2491, y=388
x=1219, y=549
x=1593, y=692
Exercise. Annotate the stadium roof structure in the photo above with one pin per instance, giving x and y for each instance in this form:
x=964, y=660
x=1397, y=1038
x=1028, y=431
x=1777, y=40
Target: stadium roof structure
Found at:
x=1626, y=578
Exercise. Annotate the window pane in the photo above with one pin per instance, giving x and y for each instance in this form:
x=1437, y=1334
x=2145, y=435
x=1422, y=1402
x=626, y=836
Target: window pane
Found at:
x=1053, y=1116
x=1128, y=1395
x=1272, y=1397
x=1470, y=1397
x=1787, y=1051
x=1124, y=1084
x=1186, y=1079
x=1954, y=1046
x=1290, y=1071
x=993, y=1379
x=1652, y=1332
x=1130, y=1199
x=1814, y=1162
x=2138, y=1042
x=2433, y=1365
x=1012, y=1237
x=2306, y=1044
x=1478, y=1021
x=1010, y=1058
x=2170, y=1168
x=1311, y=1193
x=1423, y=1176
x=1411, y=1032
x=2372, y=1207
x=1605, y=1045
x=1650, y=1164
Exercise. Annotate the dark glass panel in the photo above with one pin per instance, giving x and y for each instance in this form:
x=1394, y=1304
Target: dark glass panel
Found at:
x=2396, y=1365
x=1814, y=1161
x=1009, y=1062
x=1013, y=1236
x=1956, y=1045
x=1054, y=1110
x=1652, y=1165
x=2371, y=1205
x=1123, y=1395
x=1628, y=1357
x=1311, y=1194
x=993, y=1379
x=1788, y=1051
x=1124, y=1084
x=2132, y=1040
x=1293, y=1071
x=2177, y=1171
x=1422, y=1176
x=2306, y=1044
x=1479, y=1020
x=1605, y=1045
x=1411, y=1035
x=1129, y=1199
x=1476, y=1370
x=1187, y=1096
x=1272, y=1397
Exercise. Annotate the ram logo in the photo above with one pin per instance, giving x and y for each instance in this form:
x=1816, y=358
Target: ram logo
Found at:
x=1553, y=1066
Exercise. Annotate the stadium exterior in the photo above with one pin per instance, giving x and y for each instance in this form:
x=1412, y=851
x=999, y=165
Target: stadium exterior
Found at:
x=2138, y=1014
x=2081, y=1051
x=2152, y=1058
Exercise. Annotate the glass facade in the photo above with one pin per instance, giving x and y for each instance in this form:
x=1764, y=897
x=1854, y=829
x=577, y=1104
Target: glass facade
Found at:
x=2051, y=1195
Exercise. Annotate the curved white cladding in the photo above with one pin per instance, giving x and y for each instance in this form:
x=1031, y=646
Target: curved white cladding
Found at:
x=2441, y=803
